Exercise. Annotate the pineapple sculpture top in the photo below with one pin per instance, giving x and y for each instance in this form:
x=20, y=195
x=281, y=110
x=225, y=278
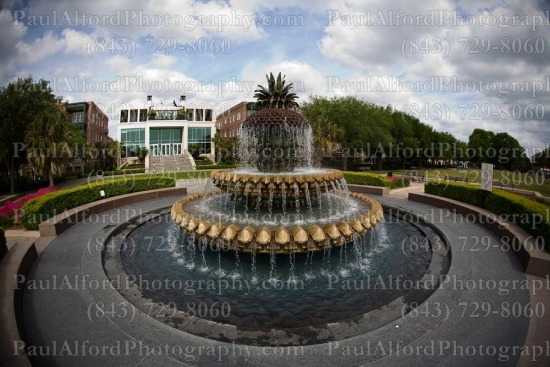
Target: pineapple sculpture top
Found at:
x=276, y=138
x=277, y=95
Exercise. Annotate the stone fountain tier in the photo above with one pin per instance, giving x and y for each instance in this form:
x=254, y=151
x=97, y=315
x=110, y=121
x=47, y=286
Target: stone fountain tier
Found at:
x=275, y=185
x=275, y=140
x=274, y=117
x=280, y=240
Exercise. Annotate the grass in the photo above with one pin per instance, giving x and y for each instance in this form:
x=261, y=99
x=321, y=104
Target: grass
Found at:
x=523, y=181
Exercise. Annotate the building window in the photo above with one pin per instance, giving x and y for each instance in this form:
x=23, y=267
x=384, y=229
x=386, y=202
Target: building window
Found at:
x=208, y=114
x=199, y=114
x=238, y=116
x=124, y=116
x=201, y=136
x=133, y=115
x=131, y=140
x=77, y=118
x=142, y=115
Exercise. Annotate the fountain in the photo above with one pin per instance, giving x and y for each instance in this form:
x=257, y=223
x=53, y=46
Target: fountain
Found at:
x=278, y=251
x=276, y=178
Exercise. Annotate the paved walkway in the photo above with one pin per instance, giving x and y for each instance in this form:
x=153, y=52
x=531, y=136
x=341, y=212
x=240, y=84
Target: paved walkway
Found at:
x=403, y=193
x=465, y=322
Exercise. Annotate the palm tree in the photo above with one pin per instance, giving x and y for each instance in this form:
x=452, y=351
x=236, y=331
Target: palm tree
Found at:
x=277, y=94
x=326, y=135
x=49, y=142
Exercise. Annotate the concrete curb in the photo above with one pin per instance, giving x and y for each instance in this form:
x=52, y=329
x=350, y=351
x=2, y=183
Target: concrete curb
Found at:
x=17, y=263
x=61, y=222
x=534, y=261
x=372, y=190
x=14, y=266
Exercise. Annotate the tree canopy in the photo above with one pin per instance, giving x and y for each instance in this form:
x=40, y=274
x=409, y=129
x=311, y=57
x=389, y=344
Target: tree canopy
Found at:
x=500, y=149
x=377, y=131
x=31, y=116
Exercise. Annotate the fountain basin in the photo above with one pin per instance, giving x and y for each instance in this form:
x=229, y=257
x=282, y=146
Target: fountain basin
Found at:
x=277, y=185
x=278, y=235
x=268, y=299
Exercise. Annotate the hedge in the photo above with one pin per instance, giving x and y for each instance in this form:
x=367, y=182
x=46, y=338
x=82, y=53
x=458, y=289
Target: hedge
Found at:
x=3, y=245
x=371, y=179
x=528, y=214
x=40, y=209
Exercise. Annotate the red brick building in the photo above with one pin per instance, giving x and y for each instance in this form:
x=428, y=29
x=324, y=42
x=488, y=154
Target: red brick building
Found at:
x=92, y=121
x=229, y=122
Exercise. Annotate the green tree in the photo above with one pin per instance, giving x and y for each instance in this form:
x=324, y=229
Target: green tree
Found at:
x=480, y=144
x=111, y=155
x=500, y=149
x=50, y=140
x=326, y=135
x=226, y=149
x=391, y=137
x=510, y=155
x=542, y=159
x=21, y=102
x=141, y=153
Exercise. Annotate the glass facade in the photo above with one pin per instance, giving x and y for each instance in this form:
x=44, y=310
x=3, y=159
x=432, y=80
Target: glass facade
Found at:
x=165, y=141
x=201, y=136
x=131, y=140
x=165, y=136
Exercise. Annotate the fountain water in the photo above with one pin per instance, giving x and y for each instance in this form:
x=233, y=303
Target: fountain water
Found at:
x=285, y=244
x=276, y=155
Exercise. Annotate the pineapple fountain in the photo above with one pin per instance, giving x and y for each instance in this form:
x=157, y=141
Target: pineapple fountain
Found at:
x=276, y=202
x=272, y=248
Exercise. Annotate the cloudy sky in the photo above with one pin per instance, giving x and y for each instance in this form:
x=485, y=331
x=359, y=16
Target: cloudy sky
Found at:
x=456, y=65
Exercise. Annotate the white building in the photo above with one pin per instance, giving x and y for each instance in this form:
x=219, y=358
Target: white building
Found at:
x=167, y=131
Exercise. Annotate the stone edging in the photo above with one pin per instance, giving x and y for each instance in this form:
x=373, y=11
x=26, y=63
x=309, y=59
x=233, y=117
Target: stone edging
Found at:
x=63, y=221
x=19, y=260
x=14, y=266
x=534, y=261
x=372, y=190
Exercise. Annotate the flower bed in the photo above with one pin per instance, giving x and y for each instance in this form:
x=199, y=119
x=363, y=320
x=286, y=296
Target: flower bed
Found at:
x=11, y=208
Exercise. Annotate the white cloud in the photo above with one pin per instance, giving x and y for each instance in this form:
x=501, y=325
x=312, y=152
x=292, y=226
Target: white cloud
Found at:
x=39, y=49
x=76, y=42
x=12, y=34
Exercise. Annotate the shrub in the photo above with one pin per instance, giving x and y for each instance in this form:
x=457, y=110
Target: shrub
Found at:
x=7, y=222
x=400, y=182
x=528, y=214
x=3, y=245
x=372, y=179
x=40, y=209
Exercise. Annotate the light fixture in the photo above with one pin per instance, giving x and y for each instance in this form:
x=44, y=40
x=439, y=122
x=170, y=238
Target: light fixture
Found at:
x=149, y=98
x=182, y=98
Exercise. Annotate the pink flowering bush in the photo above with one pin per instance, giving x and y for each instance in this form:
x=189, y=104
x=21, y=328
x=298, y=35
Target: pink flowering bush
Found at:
x=11, y=207
x=391, y=178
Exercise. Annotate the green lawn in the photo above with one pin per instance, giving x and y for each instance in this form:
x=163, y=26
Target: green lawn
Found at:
x=524, y=181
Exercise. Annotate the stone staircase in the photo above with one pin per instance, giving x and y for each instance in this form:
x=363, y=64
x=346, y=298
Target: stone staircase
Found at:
x=171, y=163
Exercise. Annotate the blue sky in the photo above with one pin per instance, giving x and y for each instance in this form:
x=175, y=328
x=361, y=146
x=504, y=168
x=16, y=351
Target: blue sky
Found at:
x=456, y=65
